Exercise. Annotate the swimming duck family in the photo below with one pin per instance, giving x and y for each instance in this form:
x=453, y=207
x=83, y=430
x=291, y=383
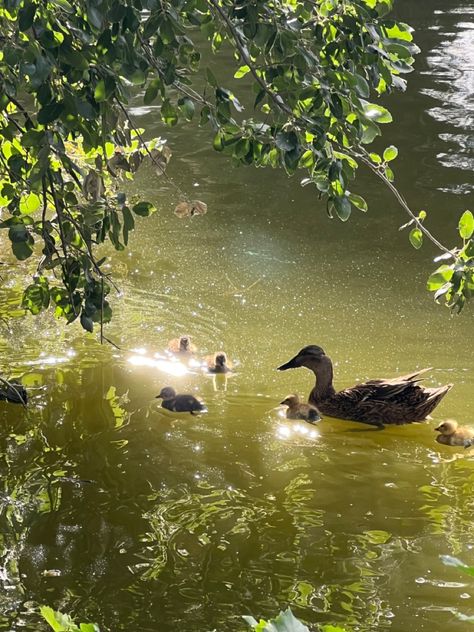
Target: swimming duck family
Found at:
x=180, y=402
x=398, y=400
x=296, y=409
x=451, y=433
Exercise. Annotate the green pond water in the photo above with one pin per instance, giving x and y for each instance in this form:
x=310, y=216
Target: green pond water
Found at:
x=189, y=523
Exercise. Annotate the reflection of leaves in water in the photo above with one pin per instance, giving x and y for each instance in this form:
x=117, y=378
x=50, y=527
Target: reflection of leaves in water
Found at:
x=209, y=518
x=449, y=502
x=43, y=459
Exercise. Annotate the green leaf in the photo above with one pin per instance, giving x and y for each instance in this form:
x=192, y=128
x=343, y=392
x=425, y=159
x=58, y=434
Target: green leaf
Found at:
x=241, y=72
x=50, y=617
x=375, y=158
x=443, y=274
x=26, y=15
x=29, y=203
x=210, y=78
x=87, y=323
x=358, y=202
x=416, y=238
x=342, y=206
x=287, y=141
x=168, y=113
x=99, y=92
x=390, y=153
x=50, y=112
x=152, y=91
x=466, y=225
x=284, y=622
x=186, y=105
x=144, y=209
x=377, y=113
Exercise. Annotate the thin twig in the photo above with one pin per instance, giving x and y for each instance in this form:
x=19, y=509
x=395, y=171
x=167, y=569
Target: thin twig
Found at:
x=276, y=98
x=401, y=200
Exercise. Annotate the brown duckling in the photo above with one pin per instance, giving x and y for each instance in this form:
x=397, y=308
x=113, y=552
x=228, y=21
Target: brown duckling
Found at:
x=298, y=410
x=398, y=400
x=218, y=363
x=182, y=345
x=454, y=434
x=180, y=403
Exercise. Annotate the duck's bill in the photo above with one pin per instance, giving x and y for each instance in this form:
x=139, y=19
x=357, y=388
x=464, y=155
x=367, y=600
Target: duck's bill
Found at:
x=294, y=363
x=438, y=429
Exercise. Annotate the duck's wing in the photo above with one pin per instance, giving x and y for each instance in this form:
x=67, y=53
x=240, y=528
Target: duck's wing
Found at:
x=397, y=401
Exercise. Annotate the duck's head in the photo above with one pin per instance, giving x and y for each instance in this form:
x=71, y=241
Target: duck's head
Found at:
x=448, y=427
x=220, y=358
x=291, y=400
x=166, y=393
x=184, y=343
x=309, y=357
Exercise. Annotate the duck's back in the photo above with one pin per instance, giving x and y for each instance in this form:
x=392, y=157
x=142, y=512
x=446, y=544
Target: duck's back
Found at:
x=393, y=401
x=183, y=404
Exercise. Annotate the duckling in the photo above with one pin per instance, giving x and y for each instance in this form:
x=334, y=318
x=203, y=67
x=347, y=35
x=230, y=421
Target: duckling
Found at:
x=180, y=403
x=298, y=410
x=218, y=363
x=454, y=434
x=182, y=346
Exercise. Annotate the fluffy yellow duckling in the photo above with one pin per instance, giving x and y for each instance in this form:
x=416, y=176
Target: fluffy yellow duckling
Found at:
x=180, y=403
x=182, y=346
x=298, y=410
x=218, y=363
x=454, y=434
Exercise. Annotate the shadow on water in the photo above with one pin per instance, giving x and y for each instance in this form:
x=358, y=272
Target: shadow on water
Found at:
x=117, y=510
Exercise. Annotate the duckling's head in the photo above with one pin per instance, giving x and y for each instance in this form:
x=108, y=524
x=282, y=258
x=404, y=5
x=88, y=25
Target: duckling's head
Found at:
x=291, y=400
x=448, y=427
x=184, y=343
x=308, y=356
x=166, y=393
x=220, y=359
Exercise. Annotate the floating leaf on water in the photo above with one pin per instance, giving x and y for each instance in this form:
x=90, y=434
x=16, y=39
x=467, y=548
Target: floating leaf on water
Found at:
x=189, y=209
x=161, y=157
x=377, y=536
x=51, y=572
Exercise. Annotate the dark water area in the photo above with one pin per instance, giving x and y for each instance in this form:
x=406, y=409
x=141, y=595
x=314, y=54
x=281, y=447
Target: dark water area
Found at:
x=158, y=523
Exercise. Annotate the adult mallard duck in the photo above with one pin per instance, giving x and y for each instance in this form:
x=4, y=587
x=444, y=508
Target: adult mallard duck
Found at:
x=399, y=400
x=454, y=434
x=180, y=403
x=298, y=410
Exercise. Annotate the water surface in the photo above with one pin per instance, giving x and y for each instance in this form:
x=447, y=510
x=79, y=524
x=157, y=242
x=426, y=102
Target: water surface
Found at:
x=189, y=523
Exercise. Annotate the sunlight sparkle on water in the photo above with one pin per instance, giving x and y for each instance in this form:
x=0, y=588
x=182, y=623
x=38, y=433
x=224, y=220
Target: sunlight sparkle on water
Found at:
x=302, y=430
x=170, y=367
